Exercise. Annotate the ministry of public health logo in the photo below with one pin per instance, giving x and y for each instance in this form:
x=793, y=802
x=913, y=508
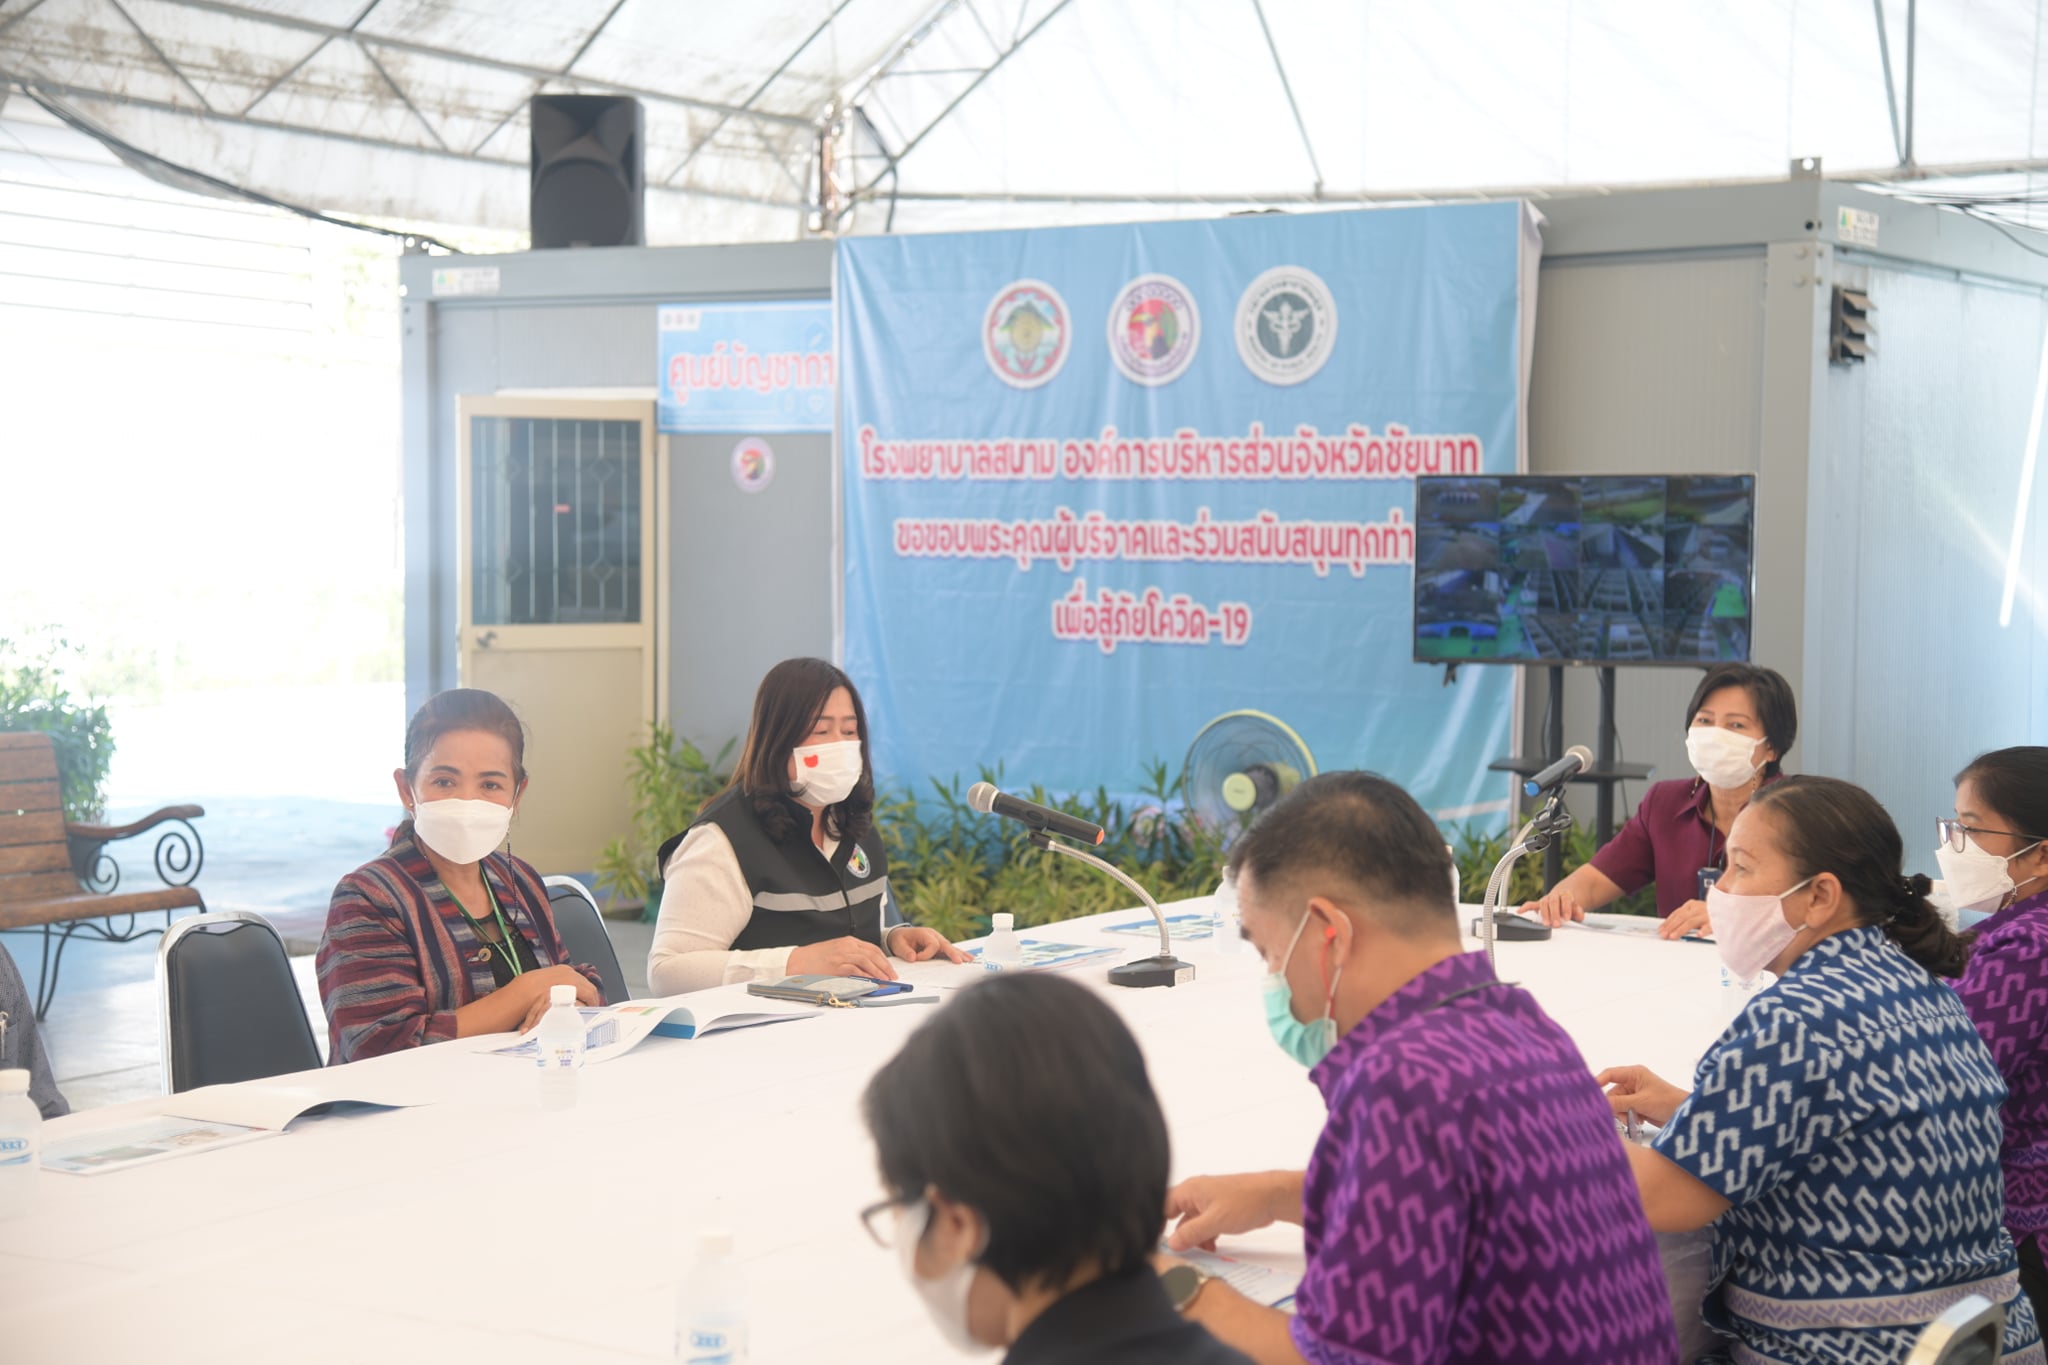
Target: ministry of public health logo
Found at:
x=1024, y=333
x=1286, y=325
x=1154, y=329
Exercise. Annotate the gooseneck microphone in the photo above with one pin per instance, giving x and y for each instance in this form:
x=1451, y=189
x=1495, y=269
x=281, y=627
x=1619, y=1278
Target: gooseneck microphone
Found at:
x=1576, y=760
x=984, y=797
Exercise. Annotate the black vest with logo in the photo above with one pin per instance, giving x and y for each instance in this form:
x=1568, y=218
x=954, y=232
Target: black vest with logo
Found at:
x=799, y=896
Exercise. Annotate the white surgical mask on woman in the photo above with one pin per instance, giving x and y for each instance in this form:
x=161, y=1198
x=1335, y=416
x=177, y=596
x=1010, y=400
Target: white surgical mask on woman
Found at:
x=461, y=831
x=827, y=773
x=1976, y=879
x=1750, y=931
x=1725, y=758
x=946, y=1297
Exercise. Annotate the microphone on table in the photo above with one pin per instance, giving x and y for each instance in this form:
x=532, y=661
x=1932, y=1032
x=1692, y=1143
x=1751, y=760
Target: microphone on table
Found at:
x=1576, y=760
x=984, y=797
x=1163, y=969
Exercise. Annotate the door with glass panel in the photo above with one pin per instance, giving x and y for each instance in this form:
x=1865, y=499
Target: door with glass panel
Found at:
x=556, y=547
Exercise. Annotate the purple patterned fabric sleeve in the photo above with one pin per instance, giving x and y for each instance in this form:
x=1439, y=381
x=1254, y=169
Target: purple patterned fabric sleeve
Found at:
x=2005, y=990
x=1467, y=1200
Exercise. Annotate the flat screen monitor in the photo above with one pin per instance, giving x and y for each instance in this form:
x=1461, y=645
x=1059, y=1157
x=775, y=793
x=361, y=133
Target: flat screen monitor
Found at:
x=1584, y=569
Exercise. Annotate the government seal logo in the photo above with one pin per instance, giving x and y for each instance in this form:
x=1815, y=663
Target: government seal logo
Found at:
x=1153, y=330
x=1024, y=333
x=858, y=864
x=1286, y=325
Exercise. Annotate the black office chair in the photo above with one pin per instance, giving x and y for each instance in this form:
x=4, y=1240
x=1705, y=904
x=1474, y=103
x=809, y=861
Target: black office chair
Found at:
x=584, y=935
x=231, y=1006
x=1971, y=1333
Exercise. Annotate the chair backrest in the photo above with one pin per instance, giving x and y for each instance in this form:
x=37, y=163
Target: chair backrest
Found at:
x=37, y=861
x=231, y=1006
x=1971, y=1333
x=584, y=935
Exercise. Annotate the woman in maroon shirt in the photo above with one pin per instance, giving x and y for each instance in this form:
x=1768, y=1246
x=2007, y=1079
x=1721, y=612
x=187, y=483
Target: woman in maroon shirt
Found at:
x=1741, y=722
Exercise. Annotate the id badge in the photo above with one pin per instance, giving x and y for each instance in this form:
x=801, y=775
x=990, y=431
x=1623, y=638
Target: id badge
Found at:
x=1707, y=876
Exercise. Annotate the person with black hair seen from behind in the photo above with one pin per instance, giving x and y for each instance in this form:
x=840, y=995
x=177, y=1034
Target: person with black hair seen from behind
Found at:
x=783, y=872
x=1740, y=725
x=1842, y=1137
x=1994, y=857
x=1025, y=1160
x=1467, y=1201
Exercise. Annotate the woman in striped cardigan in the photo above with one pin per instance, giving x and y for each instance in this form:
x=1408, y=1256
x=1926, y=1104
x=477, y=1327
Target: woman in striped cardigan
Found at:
x=444, y=936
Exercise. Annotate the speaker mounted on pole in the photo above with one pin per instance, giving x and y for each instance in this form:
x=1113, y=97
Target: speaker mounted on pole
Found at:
x=587, y=183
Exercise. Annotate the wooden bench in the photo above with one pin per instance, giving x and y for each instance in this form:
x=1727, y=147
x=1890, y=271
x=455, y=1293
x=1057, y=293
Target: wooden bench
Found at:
x=56, y=876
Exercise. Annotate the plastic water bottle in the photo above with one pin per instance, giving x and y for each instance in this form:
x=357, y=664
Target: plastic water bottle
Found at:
x=1229, y=921
x=560, y=1037
x=1003, y=952
x=711, y=1315
x=21, y=1134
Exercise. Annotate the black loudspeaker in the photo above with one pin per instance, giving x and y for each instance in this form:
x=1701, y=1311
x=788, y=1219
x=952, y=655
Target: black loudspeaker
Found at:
x=586, y=182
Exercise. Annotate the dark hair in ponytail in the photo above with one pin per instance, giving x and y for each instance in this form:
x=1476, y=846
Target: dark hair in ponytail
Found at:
x=1828, y=825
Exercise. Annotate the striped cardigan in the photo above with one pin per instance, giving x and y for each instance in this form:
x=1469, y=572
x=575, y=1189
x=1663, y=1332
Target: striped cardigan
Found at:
x=398, y=958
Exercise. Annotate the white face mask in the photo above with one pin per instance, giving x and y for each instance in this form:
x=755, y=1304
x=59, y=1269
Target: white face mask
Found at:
x=1975, y=879
x=461, y=831
x=946, y=1297
x=1723, y=757
x=827, y=773
x=1750, y=931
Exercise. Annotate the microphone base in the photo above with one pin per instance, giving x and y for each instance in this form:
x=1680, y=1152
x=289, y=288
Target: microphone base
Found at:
x=1162, y=970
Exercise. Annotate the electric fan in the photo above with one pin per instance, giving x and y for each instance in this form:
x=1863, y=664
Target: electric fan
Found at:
x=1241, y=763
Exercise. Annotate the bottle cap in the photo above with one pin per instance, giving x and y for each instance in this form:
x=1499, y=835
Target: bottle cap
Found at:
x=562, y=995
x=714, y=1243
x=1001, y=921
x=13, y=1082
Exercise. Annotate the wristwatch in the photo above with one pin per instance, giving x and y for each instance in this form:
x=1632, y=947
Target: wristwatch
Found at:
x=1182, y=1283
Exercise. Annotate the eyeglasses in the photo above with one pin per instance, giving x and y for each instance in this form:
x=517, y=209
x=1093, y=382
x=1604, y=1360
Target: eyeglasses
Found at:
x=1956, y=834
x=880, y=1227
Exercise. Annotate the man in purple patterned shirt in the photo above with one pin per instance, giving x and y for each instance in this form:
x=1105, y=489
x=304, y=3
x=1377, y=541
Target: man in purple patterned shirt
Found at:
x=1994, y=856
x=1468, y=1199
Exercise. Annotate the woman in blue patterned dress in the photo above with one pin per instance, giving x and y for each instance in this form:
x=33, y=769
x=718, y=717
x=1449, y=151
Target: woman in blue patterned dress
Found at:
x=1842, y=1136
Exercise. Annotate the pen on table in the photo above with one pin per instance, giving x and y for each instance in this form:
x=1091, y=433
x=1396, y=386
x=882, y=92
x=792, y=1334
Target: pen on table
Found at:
x=886, y=1001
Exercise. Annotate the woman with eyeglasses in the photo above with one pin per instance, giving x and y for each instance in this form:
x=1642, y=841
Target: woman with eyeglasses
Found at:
x=1842, y=1136
x=1025, y=1160
x=1740, y=724
x=1994, y=857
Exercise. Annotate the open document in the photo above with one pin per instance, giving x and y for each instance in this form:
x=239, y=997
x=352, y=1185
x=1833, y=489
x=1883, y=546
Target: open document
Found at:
x=222, y=1115
x=614, y=1030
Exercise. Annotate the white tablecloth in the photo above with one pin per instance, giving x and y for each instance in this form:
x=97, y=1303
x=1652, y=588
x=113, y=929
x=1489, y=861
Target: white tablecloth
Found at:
x=480, y=1228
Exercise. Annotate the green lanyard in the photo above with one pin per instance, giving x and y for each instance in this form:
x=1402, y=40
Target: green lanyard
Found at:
x=505, y=940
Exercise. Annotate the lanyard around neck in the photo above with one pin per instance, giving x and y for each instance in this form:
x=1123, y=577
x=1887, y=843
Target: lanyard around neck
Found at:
x=505, y=943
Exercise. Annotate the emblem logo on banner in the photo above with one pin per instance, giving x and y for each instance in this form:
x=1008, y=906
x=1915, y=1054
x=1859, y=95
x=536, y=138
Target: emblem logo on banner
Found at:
x=753, y=464
x=1286, y=325
x=1024, y=333
x=1154, y=330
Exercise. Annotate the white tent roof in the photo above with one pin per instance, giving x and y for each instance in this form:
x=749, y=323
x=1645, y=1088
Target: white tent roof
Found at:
x=766, y=118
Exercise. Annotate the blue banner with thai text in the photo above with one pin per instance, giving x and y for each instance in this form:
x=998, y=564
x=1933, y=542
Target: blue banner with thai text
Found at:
x=1104, y=485
x=745, y=367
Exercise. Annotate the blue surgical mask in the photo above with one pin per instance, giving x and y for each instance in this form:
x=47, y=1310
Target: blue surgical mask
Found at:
x=1306, y=1043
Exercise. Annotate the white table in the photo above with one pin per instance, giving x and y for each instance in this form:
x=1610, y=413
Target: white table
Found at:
x=481, y=1228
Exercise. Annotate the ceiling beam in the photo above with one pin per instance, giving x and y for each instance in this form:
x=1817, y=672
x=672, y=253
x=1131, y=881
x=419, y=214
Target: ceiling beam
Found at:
x=356, y=139
x=538, y=73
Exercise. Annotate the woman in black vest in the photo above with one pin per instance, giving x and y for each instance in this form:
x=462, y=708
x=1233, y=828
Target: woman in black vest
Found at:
x=783, y=872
